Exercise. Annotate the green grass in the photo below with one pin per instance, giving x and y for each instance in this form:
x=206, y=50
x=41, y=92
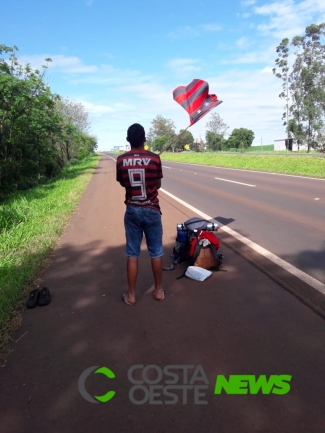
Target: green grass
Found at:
x=266, y=148
x=30, y=225
x=290, y=164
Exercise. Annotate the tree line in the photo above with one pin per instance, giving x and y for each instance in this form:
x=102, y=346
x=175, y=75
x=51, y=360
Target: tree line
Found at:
x=40, y=131
x=303, y=86
x=163, y=131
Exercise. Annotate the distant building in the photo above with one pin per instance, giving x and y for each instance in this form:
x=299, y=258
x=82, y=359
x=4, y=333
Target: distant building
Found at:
x=119, y=148
x=199, y=143
x=281, y=144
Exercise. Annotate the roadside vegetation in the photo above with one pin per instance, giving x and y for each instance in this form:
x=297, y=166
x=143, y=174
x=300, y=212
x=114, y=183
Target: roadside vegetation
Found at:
x=163, y=131
x=30, y=225
x=289, y=164
x=258, y=149
x=303, y=86
x=40, y=131
x=46, y=160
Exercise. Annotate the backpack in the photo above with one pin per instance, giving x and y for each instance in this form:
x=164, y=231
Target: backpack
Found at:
x=195, y=223
x=185, y=234
x=204, y=251
x=182, y=245
x=189, y=239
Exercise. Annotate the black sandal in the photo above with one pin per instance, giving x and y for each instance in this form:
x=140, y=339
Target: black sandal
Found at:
x=44, y=297
x=32, y=300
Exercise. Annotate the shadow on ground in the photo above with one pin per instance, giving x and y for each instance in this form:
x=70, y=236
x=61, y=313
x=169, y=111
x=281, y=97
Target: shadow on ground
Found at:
x=237, y=322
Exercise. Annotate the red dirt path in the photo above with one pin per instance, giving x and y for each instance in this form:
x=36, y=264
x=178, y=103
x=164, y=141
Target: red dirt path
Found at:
x=236, y=322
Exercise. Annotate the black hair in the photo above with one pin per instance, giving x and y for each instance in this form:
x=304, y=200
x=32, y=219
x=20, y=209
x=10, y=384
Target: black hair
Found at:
x=136, y=135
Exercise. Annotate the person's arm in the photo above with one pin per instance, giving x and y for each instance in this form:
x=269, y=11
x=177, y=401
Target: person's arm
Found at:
x=159, y=174
x=119, y=176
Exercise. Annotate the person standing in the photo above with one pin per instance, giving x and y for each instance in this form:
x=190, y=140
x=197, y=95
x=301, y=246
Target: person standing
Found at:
x=139, y=172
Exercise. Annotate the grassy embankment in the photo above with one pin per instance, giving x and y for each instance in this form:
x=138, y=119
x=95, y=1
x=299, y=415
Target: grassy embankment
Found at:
x=287, y=163
x=30, y=225
x=266, y=148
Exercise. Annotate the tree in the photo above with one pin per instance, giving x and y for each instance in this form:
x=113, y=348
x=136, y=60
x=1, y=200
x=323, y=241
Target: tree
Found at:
x=225, y=145
x=26, y=121
x=216, y=125
x=213, y=140
x=295, y=130
x=35, y=139
x=282, y=73
x=160, y=127
x=73, y=113
x=321, y=139
x=240, y=138
x=306, y=86
x=160, y=143
x=186, y=138
x=216, y=130
x=308, y=81
x=295, y=126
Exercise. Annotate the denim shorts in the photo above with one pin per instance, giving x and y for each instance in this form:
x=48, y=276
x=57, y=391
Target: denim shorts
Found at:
x=139, y=220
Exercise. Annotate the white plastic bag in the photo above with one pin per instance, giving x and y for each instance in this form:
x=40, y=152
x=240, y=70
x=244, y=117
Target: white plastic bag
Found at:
x=197, y=273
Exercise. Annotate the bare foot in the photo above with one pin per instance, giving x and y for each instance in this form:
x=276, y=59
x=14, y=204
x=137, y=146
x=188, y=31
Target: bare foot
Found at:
x=129, y=300
x=159, y=294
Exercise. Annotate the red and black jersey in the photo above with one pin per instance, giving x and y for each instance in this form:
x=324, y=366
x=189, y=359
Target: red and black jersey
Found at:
x=138, y=171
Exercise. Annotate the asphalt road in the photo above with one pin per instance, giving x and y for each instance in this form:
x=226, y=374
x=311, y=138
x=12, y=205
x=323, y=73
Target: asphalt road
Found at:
x=284, y=214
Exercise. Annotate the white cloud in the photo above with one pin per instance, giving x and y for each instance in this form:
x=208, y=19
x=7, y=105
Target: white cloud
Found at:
x=248, y=2
x=96, y=109
x=109, y=55
x=262, y=55
x=183, y=66
x=267, y=70
x=152, y=94
x=66, y=64
x=243, y=42
x=289, y=18
x=243, y=15
x=210, y=27
x=185, y=32
x=250, y=100
x=109, y=75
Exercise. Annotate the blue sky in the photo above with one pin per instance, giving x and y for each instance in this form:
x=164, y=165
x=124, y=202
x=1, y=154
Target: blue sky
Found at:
x=123, y=59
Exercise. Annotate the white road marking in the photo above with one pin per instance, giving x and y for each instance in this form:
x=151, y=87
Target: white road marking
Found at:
x=319, y=286
x=166, y=167
x=316, y=198
x=233, y=181
x=110, y=157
